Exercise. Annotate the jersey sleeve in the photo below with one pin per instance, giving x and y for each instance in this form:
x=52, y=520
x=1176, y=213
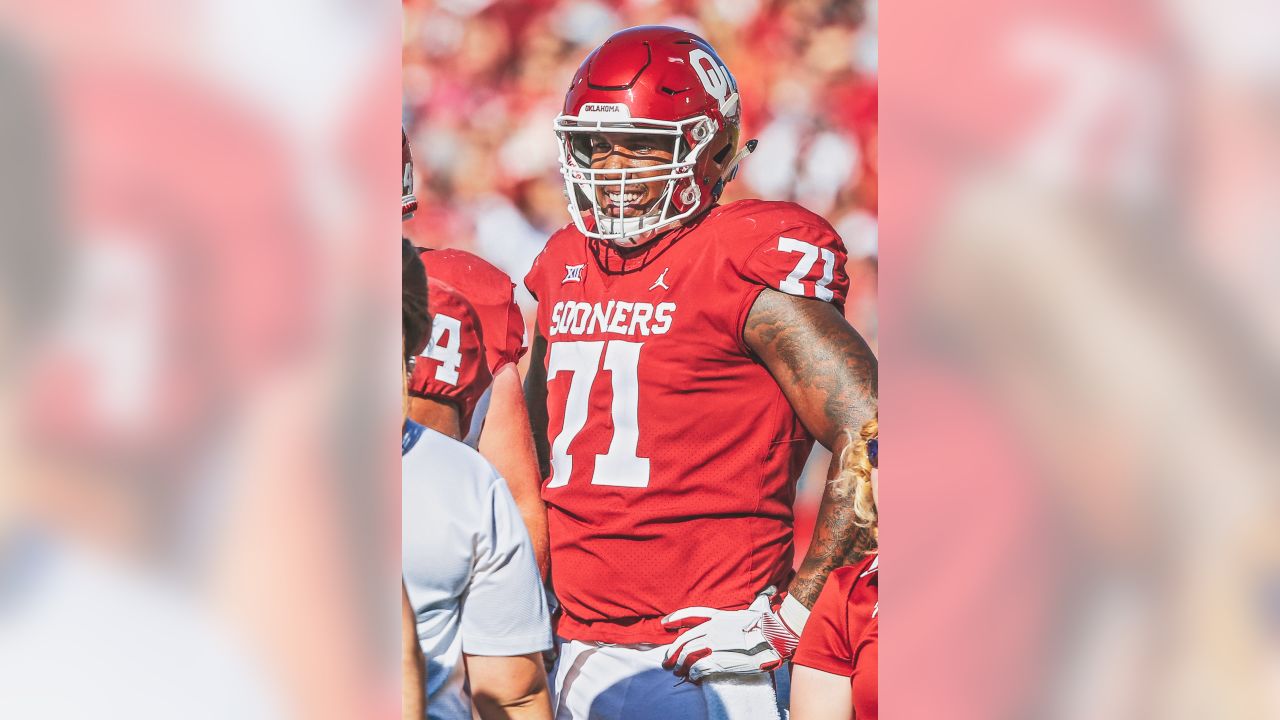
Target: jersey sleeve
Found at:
x=533, y=278
x=825, y=643
x=802, y=255
x=491, y=293
x=543, y=270
x=505, y=611
x=509, y=344
x=453, y=366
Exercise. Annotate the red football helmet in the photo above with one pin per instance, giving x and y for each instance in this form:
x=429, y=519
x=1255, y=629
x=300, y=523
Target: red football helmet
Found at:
x=408, y=203
x=650, y=80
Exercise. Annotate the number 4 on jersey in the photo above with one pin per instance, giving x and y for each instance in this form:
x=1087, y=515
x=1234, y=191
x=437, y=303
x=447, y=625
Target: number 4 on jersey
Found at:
x=445, y=347
x=620, y=467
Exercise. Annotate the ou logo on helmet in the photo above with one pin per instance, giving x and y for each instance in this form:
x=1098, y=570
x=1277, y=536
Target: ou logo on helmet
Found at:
x=714, y=77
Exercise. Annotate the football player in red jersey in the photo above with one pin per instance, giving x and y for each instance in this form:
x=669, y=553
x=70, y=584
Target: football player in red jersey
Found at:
x=450, y=376
x=477, y=340
x=687, y=355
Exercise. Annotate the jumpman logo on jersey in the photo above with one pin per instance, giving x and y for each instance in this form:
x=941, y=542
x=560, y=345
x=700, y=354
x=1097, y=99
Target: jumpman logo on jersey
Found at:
x=661, y=281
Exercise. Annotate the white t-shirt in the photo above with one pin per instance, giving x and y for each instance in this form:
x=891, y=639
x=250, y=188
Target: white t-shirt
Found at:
x=468, y=565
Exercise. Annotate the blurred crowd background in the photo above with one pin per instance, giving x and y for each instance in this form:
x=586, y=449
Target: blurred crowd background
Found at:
x=483, y=81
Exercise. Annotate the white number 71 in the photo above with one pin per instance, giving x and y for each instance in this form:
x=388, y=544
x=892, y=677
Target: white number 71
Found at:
x=621, y=466
x=792, y=285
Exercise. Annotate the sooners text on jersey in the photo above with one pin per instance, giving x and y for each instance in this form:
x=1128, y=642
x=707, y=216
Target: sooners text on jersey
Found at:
x=674, y=452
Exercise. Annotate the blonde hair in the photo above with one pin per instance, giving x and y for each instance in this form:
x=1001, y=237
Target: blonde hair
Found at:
x=855, y=472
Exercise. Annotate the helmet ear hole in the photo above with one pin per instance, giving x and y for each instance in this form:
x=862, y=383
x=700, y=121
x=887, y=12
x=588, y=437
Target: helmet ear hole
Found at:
x=719, y=157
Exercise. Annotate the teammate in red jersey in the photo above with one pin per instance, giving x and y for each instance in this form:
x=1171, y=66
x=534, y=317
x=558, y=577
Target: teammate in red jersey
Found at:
x=490, y=294
x=687, y=355
x=477, y=339
x=451, y=374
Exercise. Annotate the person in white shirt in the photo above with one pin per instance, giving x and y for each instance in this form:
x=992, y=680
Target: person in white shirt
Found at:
x=468, y=566
x=413, y=679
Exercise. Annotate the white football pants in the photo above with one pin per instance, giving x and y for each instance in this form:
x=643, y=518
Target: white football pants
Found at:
x=595, y=681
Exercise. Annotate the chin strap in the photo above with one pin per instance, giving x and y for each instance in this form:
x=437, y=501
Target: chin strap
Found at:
x=731, y=170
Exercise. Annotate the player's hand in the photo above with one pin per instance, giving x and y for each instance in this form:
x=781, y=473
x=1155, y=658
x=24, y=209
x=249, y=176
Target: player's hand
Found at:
x=739, y=642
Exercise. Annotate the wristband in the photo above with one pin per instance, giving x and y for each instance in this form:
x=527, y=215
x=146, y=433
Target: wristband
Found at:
x=794, y=614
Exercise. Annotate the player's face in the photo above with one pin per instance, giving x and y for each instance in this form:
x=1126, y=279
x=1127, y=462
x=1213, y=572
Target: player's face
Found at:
x=623, y=151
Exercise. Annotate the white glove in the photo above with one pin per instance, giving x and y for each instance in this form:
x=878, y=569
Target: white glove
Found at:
x=747, y=641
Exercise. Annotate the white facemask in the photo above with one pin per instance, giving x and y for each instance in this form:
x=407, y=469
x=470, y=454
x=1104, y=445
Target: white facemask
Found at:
x=582, y=181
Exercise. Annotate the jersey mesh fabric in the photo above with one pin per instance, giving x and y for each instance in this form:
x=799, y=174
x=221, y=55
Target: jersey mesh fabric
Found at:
x=677, y=489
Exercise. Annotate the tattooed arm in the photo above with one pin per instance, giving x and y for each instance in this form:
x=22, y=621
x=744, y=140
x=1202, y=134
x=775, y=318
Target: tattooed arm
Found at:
x=828, y=374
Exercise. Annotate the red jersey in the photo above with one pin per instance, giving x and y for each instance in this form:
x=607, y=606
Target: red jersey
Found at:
x=674, y=453
x=842, y=636
x=491, y=292
x=476, y=329
x=452, y=367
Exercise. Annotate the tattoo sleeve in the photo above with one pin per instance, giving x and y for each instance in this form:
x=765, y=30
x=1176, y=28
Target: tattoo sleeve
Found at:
x=829, y=375
x=535, y=393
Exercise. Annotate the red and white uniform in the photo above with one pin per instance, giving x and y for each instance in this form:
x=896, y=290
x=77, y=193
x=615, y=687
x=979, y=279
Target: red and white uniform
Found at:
x=476, y=329
x=452, y=367
x=674, y=452
x=842, y=636
x=492, y=294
